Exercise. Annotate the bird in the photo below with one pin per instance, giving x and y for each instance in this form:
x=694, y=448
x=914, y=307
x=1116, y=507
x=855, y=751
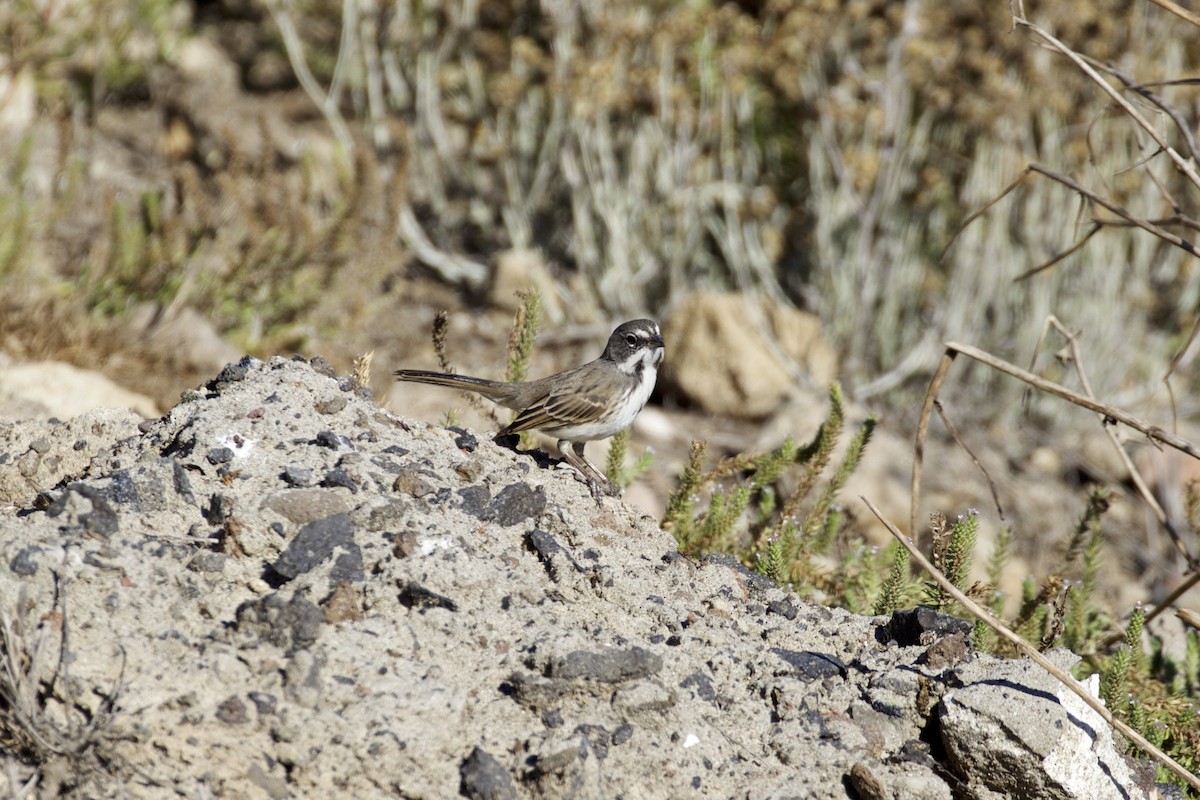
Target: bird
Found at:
x=592, y=401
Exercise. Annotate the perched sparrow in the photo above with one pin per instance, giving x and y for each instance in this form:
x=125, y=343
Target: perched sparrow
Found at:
x=593, y=401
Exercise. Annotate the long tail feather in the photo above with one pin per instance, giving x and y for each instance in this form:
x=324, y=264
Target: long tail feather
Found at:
x=495, y=391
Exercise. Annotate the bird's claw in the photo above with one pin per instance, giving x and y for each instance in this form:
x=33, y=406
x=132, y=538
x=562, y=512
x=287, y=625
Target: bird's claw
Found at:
x=601, y=488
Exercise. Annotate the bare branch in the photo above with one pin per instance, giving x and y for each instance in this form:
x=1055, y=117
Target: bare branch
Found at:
x=1153, y=432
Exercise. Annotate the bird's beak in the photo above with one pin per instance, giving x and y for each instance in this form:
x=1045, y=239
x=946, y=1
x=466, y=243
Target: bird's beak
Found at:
x=657, y=340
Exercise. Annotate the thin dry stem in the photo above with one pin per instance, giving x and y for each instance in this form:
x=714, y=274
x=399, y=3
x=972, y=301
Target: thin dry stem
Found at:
x=1152, y=432
x=1184, y=165
x=959, y=441
x=1134, y=475
x=935, y=386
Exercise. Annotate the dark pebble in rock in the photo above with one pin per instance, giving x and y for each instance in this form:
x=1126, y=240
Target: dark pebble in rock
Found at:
x=298, y=476
x=784, y=608
x=122, y=490
x=219, y=455
x=552, y=718
x=549, y=551
x=482, y=777
x=701, y=684
x=919, y=626
x=516, y=503
x=465, y=440
x=220, y=508
x=23, y=563
x=284, y=623
x=264, y=703
x=322, y=366
x=414, y=595
x=331, y=406
x=475, y=500
x=80, y=444
x=339, y=477
x=348, y=568
x=314, y=543
x=810, y=666
x=207, y=561
x=607, y=666
x=331, y=440
x=233, y=373
x=182, y=483
x=233, y=711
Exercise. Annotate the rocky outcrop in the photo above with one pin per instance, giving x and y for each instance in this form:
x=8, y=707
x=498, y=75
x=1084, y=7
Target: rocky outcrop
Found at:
x=281, y=590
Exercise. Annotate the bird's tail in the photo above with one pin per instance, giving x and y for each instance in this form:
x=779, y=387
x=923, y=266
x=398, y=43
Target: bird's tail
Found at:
x=496, y=391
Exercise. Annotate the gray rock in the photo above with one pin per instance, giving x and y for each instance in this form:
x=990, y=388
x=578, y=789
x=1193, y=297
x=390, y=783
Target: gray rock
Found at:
x=293, y=623
x=516, y=503
x=1012, y=730
x=315, y=542
x=607, y=666
x=482, y=777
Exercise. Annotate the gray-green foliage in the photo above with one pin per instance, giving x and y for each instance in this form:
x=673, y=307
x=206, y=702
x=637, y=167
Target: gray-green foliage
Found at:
x=746, y=515
x=953, y=553
x=615, y=470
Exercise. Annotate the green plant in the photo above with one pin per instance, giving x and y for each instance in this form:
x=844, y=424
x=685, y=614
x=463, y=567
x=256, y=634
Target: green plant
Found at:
x=15, y=230
x=953, y=554
x=521, y=338
x=891, y=593
x=747, y=518
x=614, y=468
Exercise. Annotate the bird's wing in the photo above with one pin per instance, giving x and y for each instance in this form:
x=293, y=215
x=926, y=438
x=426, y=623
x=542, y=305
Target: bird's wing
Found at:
x=557, y=411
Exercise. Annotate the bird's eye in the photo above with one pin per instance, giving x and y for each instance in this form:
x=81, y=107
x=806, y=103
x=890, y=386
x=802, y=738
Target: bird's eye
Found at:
x=630, y=340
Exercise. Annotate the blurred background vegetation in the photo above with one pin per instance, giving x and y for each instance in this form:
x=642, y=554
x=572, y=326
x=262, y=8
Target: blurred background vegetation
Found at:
x=820, y=153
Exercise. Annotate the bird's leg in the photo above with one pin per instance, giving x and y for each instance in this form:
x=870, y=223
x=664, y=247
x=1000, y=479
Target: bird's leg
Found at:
x=597, y=483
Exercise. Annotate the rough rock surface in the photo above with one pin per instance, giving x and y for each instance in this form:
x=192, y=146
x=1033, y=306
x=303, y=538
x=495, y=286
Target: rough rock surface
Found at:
x=302, y=595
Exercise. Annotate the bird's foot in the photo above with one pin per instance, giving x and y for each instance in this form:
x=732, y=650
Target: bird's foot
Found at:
x=599, y=486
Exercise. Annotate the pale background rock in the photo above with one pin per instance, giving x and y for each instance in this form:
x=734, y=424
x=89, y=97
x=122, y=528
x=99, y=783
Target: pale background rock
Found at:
x=65, y=391
x=720, y=360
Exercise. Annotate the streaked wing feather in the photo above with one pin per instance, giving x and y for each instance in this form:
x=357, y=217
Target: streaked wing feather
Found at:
x=555, y=411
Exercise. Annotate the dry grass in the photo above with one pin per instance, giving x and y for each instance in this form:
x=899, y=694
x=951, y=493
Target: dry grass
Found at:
x=56, y=739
